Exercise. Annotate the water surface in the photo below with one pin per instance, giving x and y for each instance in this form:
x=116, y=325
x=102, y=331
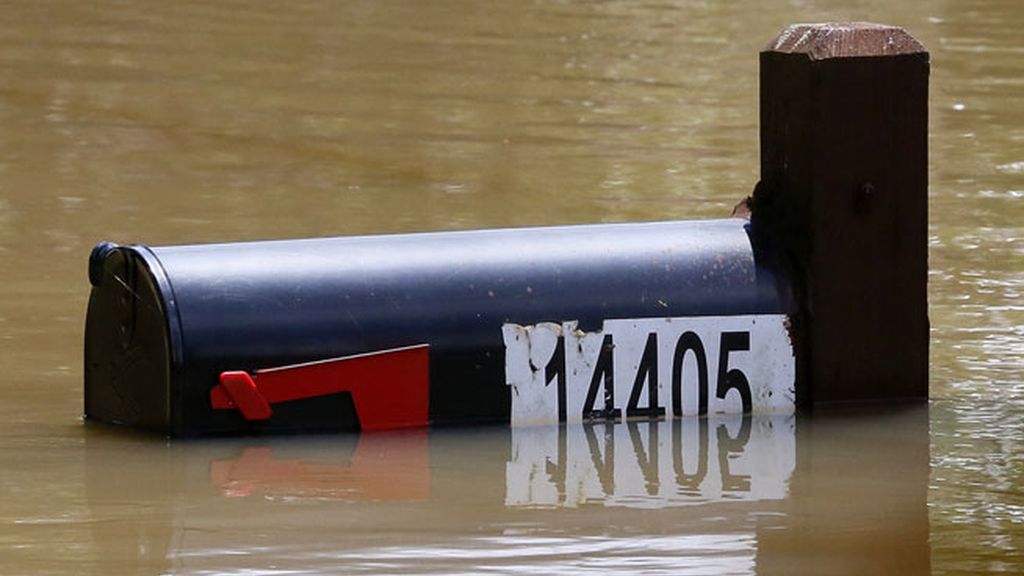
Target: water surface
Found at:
x=138, y=121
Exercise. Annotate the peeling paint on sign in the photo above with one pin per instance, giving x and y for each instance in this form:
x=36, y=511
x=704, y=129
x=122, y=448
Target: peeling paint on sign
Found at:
x=649, y=368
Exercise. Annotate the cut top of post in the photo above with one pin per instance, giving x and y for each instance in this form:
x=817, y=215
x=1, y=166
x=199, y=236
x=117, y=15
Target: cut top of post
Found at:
x=844, y=40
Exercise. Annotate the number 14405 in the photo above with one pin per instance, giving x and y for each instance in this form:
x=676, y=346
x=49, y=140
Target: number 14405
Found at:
x=649, y=367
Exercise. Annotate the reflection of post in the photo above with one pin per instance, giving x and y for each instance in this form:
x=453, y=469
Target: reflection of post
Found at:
x=858, y=499
x=651, y=463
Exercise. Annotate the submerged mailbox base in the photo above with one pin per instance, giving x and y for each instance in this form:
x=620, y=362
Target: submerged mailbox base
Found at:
x=528, y=326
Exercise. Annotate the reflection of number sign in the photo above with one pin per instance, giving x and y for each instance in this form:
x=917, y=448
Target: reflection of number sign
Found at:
x=649, y=367
x=652, y=464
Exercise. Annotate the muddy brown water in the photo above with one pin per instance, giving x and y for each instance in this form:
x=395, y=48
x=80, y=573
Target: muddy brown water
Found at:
x=210, y=120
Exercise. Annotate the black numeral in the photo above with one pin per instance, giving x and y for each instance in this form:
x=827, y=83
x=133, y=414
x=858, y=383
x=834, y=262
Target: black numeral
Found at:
x=689, y=342
x=646, y=372
x=729, y=379
x=555, y=370
x=604, y=377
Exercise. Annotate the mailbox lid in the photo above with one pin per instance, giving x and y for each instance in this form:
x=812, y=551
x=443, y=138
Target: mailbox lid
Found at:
x=132, y=340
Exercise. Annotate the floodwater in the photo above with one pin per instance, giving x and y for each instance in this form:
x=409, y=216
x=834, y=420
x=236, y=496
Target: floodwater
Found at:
x=181, y=122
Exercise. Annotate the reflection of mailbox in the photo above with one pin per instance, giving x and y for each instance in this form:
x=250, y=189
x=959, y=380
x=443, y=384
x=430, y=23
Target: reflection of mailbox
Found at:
x=382, y=467
x=790, y=491
x=821, y=297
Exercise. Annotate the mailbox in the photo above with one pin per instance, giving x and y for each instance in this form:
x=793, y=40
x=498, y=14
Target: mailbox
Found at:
x=527, y=325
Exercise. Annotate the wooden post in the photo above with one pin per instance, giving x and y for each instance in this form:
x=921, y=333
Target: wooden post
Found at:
x=844, y=186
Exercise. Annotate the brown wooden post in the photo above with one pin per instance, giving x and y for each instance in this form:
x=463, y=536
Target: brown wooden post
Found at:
x=844, y=186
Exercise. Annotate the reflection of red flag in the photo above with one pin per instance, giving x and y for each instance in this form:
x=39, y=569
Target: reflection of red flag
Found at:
x=383, y=467
x=390, y=388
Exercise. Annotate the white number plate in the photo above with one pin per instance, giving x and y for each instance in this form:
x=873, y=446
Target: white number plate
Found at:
x=649, y=367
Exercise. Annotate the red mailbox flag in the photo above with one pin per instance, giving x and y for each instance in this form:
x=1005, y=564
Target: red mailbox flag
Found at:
x=390, y=388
